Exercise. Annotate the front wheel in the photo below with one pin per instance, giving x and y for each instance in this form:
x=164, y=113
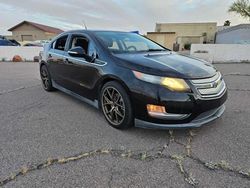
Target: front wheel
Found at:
x=116, y=106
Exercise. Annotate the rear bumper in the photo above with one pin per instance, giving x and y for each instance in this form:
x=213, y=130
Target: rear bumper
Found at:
x=200, y=120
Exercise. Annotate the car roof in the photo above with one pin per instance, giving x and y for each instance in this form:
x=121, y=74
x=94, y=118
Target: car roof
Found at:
x=92, y=31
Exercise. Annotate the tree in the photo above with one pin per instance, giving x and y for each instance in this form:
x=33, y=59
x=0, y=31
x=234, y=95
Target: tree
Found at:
x=241, y=7
x=227, y=23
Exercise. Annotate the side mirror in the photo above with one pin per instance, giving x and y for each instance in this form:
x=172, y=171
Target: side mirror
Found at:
x=77, y=52
x=80, y=52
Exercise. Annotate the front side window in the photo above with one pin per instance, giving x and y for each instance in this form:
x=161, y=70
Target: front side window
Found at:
x=122, y=42
x=79, y=41
x=60, y=43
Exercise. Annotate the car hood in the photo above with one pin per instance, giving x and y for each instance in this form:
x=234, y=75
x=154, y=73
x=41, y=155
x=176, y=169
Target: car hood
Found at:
x=167, y=64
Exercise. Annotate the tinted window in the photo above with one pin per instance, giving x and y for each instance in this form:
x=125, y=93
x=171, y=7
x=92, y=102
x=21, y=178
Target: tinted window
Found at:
x=79, y=41
x=60, y=43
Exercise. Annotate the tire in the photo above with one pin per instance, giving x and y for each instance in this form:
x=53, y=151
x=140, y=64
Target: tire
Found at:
x=46, y=79
x=116, y=106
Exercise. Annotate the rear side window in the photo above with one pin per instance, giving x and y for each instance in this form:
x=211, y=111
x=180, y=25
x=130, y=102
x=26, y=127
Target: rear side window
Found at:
x=60, y=43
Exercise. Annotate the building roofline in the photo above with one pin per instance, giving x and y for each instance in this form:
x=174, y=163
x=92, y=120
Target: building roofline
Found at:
x=188, y=23
x=45, y=28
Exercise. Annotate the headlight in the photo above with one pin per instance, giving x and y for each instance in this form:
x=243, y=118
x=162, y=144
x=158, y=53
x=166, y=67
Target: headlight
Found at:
x=173, y=84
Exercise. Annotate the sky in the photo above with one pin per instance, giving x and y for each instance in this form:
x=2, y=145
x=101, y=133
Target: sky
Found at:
x=127, y=15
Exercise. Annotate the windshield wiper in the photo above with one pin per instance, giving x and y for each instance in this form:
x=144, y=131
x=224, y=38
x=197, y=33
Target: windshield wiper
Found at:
x=155, y=50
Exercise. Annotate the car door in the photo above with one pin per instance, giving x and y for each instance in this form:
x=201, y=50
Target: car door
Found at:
x=56, y=60
x=82, y=74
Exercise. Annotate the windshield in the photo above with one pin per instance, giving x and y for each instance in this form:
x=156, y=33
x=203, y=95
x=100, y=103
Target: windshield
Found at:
x=122, y=42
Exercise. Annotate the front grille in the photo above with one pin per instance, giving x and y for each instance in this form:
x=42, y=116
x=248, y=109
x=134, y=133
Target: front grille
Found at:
x=210, y=87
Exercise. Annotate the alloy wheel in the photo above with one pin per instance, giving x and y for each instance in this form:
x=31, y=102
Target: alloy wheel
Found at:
x=113, y=105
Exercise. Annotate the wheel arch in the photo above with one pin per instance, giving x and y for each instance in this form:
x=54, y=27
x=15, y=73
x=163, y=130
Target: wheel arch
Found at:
x=42, y=63
x=110, y=78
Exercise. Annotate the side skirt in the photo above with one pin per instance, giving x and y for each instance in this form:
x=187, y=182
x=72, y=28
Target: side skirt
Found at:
x=71, y=93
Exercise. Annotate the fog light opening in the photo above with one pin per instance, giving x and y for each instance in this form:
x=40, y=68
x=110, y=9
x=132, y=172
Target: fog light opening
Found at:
x=155, y=109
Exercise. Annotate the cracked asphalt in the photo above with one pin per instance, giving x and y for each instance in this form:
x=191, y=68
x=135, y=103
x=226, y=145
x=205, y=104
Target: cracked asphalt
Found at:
x=54, y=140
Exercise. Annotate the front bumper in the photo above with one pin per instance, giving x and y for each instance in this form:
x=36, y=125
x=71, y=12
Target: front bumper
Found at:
x=189, y=109
x=202, y=119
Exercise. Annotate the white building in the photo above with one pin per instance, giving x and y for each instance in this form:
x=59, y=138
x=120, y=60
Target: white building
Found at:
x=239, y=34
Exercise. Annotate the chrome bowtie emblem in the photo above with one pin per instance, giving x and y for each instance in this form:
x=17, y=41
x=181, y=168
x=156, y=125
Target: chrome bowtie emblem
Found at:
x=215, y=84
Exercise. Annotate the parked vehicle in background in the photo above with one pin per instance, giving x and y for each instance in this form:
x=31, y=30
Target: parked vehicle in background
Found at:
x=133, y=80
x=33, y=44
x=15, y=42
x=4, y=42
x=39, y=43
x=42, y=42
x=3, y=37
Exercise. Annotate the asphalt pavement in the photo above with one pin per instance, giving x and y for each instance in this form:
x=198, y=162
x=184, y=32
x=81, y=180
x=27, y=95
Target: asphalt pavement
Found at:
x=54, y=140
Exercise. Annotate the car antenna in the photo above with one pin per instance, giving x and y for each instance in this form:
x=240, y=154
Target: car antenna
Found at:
x=84, y=24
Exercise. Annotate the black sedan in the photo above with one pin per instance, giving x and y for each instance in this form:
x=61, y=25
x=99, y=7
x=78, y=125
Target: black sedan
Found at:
x=133, y=80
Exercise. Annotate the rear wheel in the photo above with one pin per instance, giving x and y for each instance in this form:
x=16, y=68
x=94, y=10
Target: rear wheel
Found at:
x=116, y=106
x=46, y=79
